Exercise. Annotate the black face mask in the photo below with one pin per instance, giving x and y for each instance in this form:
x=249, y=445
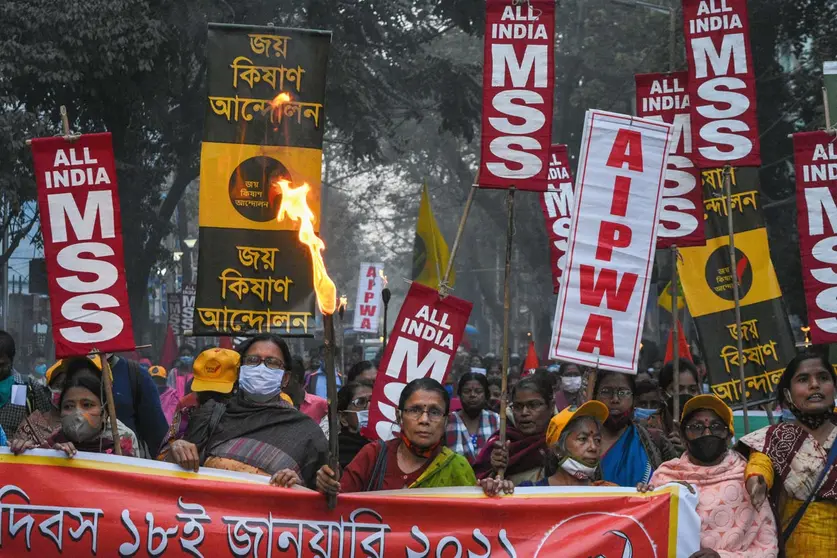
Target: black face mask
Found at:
x=811, y=420
x=618, y=422
x=684, y=397
x=707, y=449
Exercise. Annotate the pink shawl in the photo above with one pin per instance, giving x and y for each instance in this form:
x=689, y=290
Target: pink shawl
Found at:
x=729, y=524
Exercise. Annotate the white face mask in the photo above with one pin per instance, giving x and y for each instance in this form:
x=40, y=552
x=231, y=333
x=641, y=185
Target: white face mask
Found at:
x=571, y=384
x=362, y=419
x=260, y=382
x=577, y=469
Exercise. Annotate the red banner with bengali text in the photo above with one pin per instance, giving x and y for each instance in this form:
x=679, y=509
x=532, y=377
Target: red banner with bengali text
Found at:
x=722, y=84
x=78, y=200
x=557, y=205
x=664, y=97
x=113, y=506
x=815, y=157
x=422, y=344
x=518, y=84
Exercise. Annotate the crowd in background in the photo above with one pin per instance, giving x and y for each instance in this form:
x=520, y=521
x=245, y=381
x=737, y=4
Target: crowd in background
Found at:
x=259, y=410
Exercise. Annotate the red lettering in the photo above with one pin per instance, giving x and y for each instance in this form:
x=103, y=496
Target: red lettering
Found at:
x=612, y=235
x=367, y=296
x=370, y=285
x=626, y=149
x=594, y=290
x=371, y=272
x=620, y=196
x=366, y=324
x=367, y=310
x=598, y=334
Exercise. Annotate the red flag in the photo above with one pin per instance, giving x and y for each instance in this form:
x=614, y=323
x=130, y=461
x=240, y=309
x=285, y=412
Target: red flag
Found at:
x=169, y=352
x=685, y=352
x=531, y=363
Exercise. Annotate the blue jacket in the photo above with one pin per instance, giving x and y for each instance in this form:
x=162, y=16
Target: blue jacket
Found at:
x=140, y=412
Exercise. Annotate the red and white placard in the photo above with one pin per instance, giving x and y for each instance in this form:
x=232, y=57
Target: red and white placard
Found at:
x=556, y=203
x=368, y=305
x=79, y=204
x=613, y=234
x=663, y=97
x=422, y=344
x=722, y=83
x=815, y=155
x=518, y=81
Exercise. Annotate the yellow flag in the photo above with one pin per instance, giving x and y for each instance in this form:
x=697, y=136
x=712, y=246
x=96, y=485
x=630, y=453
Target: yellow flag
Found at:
x=430, y=251
x=665, y=298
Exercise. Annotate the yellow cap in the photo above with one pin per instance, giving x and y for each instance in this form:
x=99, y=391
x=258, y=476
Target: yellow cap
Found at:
x=215, y=370
x=711, y=403
x=595, y=409
x=158, y=371
x=58, y=367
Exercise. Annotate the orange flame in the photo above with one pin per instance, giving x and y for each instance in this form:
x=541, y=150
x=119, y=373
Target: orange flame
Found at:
x=295, y=207
x=280, y=100
x=384, y=277
x=344, y=302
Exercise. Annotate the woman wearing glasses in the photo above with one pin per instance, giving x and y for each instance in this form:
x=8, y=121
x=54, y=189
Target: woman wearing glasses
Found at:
x=257, y=430
x=353, y=406
x=522, y=457
x=630, y=452
x=416, y=459
x=730, y=524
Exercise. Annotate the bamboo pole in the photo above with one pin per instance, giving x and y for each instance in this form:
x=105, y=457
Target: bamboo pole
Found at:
x=504, y=387
x=444, y=287
x=675, y=336
x=331, y=387
x=107, y=381
x=736, y=297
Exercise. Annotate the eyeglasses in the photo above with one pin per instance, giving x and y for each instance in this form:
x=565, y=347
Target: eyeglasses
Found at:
x=718, y=429
x=433, y=413
x=620, y=393
x=270, y=362
x=360, y=402
x=534, y=406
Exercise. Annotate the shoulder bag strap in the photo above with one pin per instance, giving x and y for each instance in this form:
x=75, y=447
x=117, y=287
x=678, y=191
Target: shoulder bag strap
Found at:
x=376, y=481
x=214, y=420
x=829, y=462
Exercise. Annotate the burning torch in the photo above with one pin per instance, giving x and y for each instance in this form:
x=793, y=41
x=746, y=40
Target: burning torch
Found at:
x=295, y=206
x=386, y=294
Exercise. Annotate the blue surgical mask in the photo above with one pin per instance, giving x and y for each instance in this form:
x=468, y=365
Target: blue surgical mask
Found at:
x=644, y=414
x=41, y=370
x=187, y=360
x=260, y=383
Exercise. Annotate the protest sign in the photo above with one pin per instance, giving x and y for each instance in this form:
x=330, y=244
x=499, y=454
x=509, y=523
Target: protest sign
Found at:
x=815, y=155
x=368, y=307
x=136, y=507
x=829, y=78
x=518, y=83
x=610, y=254
x=78, y=200
x=264, y=124
x=422, y=344
x=663, y=97
x=706, y=278
x=722, y=83
x=174, y=302
x=187, y=308
x=556, y=203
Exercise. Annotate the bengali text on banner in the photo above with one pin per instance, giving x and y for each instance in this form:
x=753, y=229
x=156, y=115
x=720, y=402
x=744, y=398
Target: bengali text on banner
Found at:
x=557, y=203
x=78, y=200
x=815, y=155
x=135, y=507
x=664, y=97
x=722, y=84
x=518, y=83
x=613, y=234
x=422, y=344
x=264, y=123
x=706, y=277
x=368, y=306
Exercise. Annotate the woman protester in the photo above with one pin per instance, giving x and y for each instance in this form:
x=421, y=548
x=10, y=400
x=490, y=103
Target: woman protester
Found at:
x=84, y=422
x=470, y=428
x=570, y=393
x=794, y=461
x=523, y=455
x=731, y=526
x=353, y=406
x=630, y=452
x=574, y=440
x=256, y=431
x=416, y=459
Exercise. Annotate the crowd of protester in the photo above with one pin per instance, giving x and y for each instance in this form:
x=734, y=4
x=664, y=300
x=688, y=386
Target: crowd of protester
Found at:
x=256, y=410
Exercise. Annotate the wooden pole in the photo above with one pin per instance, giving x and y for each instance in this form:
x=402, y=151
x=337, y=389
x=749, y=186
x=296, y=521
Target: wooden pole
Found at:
x=736, y=296
x=331, y=388
x=675, y=336
x=107, y=381
x=827, y=109
x=386, y=294
x=444, y=287
x=504, y=388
